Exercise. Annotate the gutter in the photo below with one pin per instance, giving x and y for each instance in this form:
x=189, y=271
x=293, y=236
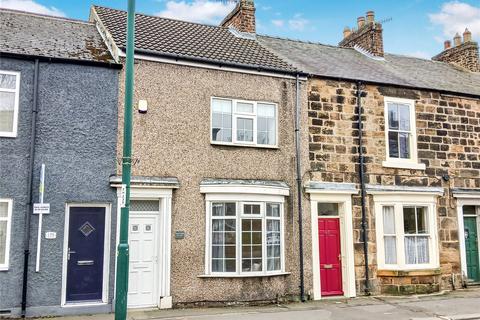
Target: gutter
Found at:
x=218, y=63
x=112, y=65
x=26, y=236
x=361, y=176
x=299, y=186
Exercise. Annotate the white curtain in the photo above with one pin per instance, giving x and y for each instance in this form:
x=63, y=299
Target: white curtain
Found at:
x=416, y=250
x=389, y=239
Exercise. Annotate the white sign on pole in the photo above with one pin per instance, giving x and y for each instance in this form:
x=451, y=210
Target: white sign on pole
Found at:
x=123, y=196
x=41, y=208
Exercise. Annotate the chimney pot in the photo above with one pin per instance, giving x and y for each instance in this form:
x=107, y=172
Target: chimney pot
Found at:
x=360, y=22
x=447, y=45
x=467, y=35
x=346, y=32
x=370, y=17
x=457, y=40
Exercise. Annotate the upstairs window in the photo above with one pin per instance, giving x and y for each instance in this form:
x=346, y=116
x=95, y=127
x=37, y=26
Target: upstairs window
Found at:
x=400, y=134
x=9, y=95
x=247, y=123
x=5, y=225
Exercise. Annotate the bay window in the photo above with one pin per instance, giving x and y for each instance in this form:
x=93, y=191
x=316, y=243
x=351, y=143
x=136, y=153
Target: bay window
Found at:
x=247, y=123
x=406, y=233
x=245, y=237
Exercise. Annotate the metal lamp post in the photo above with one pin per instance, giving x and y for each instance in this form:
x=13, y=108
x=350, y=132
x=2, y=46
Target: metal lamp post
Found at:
x=123, y=250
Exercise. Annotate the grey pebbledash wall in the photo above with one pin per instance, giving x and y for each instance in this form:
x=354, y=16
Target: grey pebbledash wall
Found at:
x=76, y=140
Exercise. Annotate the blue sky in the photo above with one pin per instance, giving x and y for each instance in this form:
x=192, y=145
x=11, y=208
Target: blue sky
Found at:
x=413, y=27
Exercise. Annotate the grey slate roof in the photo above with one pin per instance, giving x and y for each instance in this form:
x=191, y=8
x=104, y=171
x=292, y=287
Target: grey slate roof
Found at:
x=347, y=63
x=171, y=37
x=24, y=33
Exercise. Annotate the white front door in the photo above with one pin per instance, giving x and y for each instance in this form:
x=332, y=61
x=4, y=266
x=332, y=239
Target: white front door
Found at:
x=143, y=273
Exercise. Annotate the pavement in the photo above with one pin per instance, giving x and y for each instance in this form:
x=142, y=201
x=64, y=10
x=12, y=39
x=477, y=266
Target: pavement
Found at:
x=455, y=305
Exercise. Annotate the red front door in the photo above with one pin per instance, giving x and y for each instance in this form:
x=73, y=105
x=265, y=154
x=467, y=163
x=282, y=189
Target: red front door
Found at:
x=330, y=256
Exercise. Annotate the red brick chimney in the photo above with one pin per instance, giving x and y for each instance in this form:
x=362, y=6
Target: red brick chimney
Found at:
x=463, y=54
x=368, y=35
x=242, y=17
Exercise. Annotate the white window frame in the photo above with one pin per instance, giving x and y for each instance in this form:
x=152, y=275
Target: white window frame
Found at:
x=412, y=162
x=5, y=266
x=240, y=200
x=399, y=201
x=13, y=133
x=253, y=116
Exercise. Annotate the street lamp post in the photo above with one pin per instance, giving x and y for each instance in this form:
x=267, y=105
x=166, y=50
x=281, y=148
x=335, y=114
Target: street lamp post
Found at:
x=123, y=250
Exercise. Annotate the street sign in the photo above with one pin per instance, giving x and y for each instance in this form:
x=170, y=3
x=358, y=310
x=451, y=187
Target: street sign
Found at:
x=41, y=208
x=123, y=196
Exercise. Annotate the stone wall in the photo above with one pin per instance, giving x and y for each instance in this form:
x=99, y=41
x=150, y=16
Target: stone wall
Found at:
x=448, y=140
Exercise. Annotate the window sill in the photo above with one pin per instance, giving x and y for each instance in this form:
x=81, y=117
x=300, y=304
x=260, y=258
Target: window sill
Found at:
x=404, y=165
x=213, y=143
x=409, y=273
x=244, y=275
x=3, y=269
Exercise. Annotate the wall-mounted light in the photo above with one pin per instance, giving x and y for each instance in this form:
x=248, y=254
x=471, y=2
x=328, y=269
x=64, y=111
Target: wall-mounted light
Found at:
x=142, y=106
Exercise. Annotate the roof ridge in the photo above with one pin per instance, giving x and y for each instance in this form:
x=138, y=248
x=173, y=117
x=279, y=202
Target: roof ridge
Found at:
x=45, y=16
x=164, y=18
x=301, y=41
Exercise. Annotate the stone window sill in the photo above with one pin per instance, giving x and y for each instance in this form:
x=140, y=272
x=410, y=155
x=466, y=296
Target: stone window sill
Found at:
x=404, y=165
x=244, y=275
x=409, y=273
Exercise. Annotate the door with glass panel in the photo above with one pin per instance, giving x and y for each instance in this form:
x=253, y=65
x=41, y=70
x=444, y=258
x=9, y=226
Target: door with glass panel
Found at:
x=470, y=222
x=329, y=243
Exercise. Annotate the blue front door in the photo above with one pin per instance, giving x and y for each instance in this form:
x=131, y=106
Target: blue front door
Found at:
x=86, y=236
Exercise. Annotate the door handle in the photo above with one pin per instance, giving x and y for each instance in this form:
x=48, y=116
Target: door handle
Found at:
x=327, y=266
x=70, y=252
x=85, y=263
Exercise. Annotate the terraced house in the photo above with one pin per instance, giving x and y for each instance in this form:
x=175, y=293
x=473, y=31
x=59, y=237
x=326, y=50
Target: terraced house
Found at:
x=58, y=110
x=263, y=167
x=394, y=147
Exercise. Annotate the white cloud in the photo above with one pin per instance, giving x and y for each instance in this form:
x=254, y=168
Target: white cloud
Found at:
x=298, y=23
x=31, y=6
x=203, y=11
x=455, y=16
x=278, y=22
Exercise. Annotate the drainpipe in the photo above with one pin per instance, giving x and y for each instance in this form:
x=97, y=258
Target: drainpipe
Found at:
x=361, y=175
x=299, y=185
x=26, y=235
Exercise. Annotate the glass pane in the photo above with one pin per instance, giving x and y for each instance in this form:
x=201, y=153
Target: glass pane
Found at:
x=3, y=241
x=422, y=221
x=3, y=209
x=266, y=110
x=218, y=265
x=217, y=209
x=273, y=209
x=230, y=265
x=393, y=144
x=467, y=210
x=221, y=120
x=145, y=205
x=245, y=129
x=390, y=249
x=393, y=116
x=244, y=107
x=409, y=224
x=388, y=220
x=404, y=143
x=251, y=209
x=251, y=245
x=8, y=81
x=256, y=265
x=327, y=209
x=7, y=106
x=230, y=209
x=410, y=250
x=273, y=225
x=404, y=114
x=220, y=105
x=422, y=250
